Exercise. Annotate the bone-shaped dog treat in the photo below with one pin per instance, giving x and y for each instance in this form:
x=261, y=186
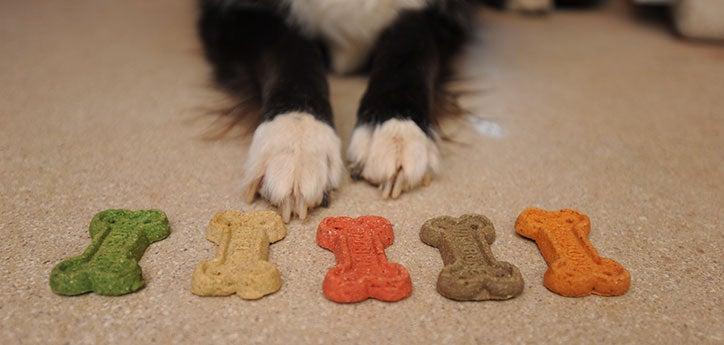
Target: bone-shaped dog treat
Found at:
x=574, y=267
x=362, y=269
x=471, y=271
x=109, y=265
x=240, y=265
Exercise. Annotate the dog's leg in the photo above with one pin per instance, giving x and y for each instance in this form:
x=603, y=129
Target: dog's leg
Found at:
x=394, y=143
x=294, y=159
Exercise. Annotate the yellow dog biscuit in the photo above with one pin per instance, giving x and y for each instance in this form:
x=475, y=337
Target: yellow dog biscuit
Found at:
x=240, y=265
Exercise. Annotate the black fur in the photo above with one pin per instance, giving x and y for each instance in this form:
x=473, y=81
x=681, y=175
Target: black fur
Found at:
x=260, y=58
x=410, y=62
x=256, y=55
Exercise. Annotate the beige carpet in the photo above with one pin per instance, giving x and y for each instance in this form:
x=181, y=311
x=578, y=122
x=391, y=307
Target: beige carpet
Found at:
x=99, y=104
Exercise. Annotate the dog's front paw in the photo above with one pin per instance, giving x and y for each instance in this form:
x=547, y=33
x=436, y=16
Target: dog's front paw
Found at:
x=293, y=162
x=396, y=156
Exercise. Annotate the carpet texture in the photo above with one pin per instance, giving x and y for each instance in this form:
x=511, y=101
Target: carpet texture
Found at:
x=102, y=103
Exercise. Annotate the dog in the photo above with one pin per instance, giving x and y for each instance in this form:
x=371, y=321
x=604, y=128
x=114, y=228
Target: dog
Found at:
x=273, y=55
x=539, y=7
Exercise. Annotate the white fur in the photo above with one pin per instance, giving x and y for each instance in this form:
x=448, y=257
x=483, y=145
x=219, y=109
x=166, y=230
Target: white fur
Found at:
x=396, y=155
x=350, y=26
x=293, y=160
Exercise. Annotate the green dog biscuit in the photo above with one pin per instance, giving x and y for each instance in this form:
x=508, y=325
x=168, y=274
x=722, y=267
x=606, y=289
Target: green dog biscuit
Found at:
x=109, y=266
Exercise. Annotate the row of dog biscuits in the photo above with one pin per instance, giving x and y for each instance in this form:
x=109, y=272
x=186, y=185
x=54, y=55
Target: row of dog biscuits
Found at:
x=109, y=266
x=362, y=269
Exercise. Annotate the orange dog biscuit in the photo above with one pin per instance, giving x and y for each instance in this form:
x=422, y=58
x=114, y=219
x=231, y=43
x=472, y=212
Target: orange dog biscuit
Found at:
x=574, y=267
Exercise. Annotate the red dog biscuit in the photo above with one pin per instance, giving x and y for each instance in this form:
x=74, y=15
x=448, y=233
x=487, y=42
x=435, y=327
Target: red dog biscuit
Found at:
x=362, y=269
x=574, y=267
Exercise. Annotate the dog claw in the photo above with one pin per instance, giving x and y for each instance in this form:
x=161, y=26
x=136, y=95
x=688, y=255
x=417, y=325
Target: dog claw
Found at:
x=397, y=187
x=286, y=209
x=325, y=200
x=301, y=209
x=355, y=172
x=426, y=180
x=251, y=190
x=386, y=187
x=392, y=188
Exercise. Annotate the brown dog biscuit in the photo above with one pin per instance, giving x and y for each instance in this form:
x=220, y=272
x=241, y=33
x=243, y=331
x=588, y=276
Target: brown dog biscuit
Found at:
x=574, y=267
x=471, y=272
x=241, y=264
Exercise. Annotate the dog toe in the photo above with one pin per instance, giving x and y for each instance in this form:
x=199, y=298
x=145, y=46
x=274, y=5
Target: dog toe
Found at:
x=397, y=156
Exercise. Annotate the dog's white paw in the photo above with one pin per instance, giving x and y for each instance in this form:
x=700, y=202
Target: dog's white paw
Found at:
x=293, y=161
x=396, y=155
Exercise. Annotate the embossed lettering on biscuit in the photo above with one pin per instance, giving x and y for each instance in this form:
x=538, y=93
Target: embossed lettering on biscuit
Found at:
x=109, y=265
x=471, y=272
x=574, y=267
x=240, y=266
x=362, y=269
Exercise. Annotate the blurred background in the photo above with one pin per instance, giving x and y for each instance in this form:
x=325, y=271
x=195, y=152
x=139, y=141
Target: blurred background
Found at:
x=694, y=19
